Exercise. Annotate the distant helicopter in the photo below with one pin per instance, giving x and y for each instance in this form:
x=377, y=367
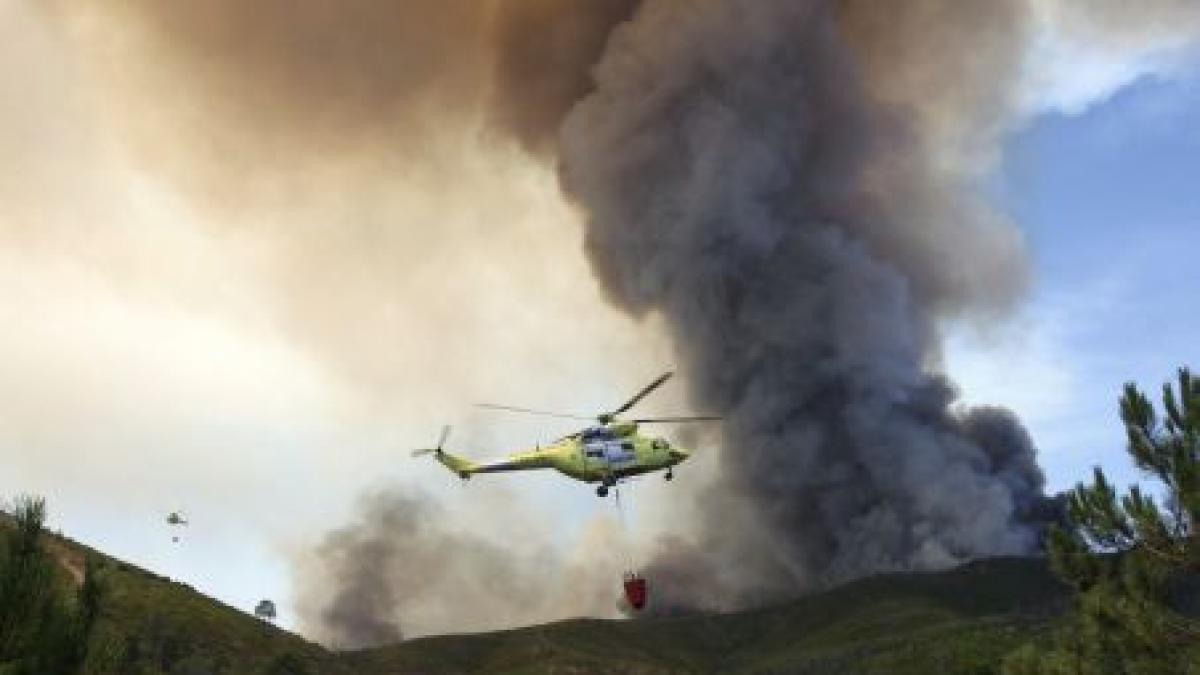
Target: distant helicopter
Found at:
x=605, y=454
x=176, y=519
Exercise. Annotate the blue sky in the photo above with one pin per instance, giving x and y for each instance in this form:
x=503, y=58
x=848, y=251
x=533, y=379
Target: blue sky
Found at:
x=1109, y=203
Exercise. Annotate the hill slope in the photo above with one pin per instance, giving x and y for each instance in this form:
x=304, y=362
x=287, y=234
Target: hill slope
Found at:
x=959, y=621
x=151, y=625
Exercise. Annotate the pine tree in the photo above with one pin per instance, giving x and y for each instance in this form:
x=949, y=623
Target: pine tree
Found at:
x=1133, y=560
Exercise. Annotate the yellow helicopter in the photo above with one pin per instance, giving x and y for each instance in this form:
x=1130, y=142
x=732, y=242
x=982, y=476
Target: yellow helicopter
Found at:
x=606, y=453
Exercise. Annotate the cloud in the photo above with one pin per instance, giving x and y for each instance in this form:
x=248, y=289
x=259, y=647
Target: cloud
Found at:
x=1083, y=52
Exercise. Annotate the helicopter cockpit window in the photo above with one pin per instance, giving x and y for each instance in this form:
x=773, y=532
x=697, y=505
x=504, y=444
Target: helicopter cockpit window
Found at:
x=597, y=434
x=659, y=444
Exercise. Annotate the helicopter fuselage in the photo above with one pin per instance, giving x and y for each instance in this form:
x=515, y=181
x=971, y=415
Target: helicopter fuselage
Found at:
x=601, y=454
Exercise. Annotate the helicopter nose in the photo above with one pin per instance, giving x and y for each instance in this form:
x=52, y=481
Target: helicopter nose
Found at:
x=679, y=454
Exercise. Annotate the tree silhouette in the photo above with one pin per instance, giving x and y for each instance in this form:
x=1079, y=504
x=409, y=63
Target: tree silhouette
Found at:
x=1134, y=560
x=43, y=630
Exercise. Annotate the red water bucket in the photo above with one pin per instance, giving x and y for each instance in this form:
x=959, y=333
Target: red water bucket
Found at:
x=635, y=590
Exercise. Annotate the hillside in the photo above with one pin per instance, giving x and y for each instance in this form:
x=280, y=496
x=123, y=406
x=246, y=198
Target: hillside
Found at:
x=150, y=624
x=959, y=621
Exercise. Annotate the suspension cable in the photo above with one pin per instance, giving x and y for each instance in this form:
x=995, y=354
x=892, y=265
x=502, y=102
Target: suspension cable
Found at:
x=626, y=545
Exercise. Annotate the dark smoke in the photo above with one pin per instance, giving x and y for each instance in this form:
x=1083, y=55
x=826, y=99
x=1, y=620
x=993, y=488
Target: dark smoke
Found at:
x=544, y=53
x=284, y=87
x=787, y=184
x=399, y=559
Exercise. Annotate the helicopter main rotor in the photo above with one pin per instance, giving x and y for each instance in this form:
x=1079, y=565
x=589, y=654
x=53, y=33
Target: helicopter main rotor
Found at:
x=530, y=411
x=607, y=418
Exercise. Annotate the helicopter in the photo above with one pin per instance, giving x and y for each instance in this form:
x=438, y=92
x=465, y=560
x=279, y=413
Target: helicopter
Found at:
x=607, y=452
x=176, y=519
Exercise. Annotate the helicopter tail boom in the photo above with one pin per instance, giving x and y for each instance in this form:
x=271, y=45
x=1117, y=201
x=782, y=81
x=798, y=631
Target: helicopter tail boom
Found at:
x=463, y=467
x=460, y=466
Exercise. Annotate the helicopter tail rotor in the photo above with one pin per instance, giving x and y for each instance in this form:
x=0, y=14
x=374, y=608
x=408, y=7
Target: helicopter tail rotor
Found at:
x=463, y=467
x=438, y=450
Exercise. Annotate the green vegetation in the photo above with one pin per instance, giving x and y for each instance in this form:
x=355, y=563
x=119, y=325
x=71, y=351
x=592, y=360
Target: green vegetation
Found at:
x=65, y=609
x=961, y=621
x=1133, y=563
x=44, y=629
x=153, y=626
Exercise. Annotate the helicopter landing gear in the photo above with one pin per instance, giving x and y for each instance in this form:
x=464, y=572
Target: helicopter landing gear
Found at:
x=668, y=475
x=605, y=483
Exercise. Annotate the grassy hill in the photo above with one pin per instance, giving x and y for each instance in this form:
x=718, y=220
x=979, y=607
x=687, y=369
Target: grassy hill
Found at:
x=151, y=625
x=959, y=621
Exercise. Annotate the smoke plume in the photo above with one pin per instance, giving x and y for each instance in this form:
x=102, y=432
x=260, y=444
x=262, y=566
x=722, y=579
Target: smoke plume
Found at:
x=789, y=185
x=544, y=53
x=280, y=88
x=401, y=569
